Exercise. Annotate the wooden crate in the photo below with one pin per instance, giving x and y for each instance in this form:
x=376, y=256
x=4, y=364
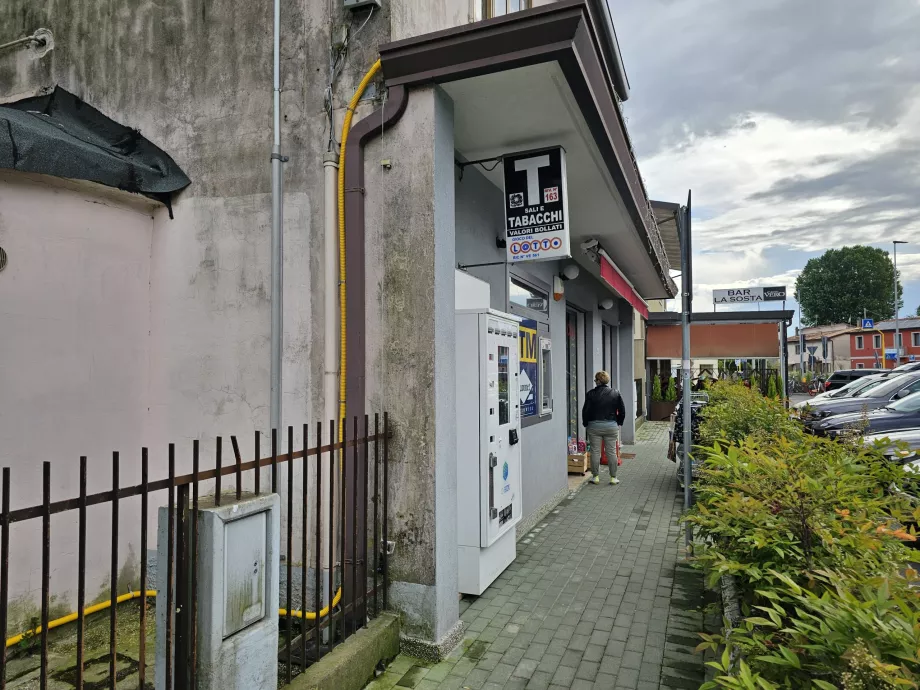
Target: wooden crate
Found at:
x=579, y=463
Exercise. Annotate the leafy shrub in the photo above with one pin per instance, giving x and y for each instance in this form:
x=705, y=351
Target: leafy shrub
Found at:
x=656, y=389
x=735, y=413
x=771, y=387
x=846, y=632
x=795, y=506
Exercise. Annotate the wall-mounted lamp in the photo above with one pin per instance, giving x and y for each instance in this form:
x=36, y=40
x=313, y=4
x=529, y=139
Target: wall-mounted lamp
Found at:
x=605, y=304
x=570, y=272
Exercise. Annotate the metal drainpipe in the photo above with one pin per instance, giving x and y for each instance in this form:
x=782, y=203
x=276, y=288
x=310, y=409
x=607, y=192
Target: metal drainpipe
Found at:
x=330, y=290
x=362, y=132
x=277, y=328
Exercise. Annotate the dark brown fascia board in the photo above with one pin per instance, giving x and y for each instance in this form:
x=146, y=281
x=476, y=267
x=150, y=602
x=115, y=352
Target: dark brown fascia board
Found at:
x=565, y=32
x=672, y=318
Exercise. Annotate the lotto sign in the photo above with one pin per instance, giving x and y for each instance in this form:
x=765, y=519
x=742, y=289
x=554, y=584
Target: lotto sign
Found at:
x=536, y=206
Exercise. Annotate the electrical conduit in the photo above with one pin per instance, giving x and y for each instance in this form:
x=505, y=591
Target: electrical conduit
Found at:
x=151, y=593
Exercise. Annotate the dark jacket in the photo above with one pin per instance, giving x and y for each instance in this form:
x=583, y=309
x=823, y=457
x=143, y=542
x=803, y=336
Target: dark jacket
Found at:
x=603, y=404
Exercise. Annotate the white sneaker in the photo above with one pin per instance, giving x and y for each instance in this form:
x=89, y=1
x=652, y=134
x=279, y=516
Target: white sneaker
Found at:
x=614, y=480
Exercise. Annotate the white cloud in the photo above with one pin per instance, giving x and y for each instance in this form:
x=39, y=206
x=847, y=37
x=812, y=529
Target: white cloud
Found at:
x=732, y=173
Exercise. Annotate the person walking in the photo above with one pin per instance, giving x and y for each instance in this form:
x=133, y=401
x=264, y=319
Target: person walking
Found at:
x=602, y=416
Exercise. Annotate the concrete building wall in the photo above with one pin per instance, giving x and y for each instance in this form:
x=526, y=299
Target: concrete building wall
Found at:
x=73, y=360
x=195, y=78
x=410, y=353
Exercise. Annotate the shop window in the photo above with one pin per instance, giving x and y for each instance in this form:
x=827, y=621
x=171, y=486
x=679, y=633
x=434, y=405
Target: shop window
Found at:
x=496, y=8
x=546, y=376
x=524, y=295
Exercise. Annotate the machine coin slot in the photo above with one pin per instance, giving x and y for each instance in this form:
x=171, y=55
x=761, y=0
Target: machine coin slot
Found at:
x=513, y=437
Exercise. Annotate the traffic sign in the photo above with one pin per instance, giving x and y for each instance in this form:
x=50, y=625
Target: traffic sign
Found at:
x=868, y=323
x=812, y=349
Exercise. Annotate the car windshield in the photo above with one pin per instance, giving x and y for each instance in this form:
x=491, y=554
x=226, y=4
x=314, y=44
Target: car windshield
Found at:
x=870, y=386
x=886, y=389
x=909, y=404
x=850, y=389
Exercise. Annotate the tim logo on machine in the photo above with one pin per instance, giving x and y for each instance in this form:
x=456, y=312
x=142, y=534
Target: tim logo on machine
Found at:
x=536, y=211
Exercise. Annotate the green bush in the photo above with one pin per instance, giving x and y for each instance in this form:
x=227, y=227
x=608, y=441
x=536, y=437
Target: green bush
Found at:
x=814, y=538
x=656, y=388
x=795, y=506
x=735, y=413
x=671, y=393
x=771, y=387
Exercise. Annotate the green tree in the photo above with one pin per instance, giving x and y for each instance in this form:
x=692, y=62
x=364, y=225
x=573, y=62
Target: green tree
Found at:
x=671, y=393
x=838, y=285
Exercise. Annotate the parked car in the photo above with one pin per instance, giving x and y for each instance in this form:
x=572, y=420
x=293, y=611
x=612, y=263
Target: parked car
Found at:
x=898, y=446
x=906, y=368
x=841, y=378
x=894, y=388
x=847, y=391
x=896, y=416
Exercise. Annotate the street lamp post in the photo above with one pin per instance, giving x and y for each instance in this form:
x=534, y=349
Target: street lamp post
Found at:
x=897, y=325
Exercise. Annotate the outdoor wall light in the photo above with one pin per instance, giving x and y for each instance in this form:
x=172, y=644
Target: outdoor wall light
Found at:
x=605, y=304
x=570, y=272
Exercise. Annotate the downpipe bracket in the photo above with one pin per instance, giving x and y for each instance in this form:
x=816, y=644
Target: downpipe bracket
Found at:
x=279, y=157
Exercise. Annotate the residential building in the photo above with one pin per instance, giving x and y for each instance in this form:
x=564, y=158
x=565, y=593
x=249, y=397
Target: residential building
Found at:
x=827, y=348
x=136, y=321
x=868, y=348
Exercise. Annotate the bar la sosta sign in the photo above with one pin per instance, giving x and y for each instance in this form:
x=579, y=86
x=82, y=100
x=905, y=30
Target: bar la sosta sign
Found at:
x=536, y=205
x=749, y=295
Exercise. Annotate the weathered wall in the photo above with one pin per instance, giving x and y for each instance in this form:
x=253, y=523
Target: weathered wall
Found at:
x=195, y=78
x=415, y=17
x=410, y=357
x=73, y=358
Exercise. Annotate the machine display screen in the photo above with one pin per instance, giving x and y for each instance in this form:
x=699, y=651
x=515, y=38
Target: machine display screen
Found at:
x=504, y=402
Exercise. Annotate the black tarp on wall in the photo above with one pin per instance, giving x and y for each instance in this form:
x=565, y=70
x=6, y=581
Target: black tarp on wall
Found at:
x=59, y=134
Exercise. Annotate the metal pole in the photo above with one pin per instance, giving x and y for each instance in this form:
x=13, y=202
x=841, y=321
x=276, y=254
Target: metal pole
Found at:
x=277, y=229
x=686, y=300
x=897, y=325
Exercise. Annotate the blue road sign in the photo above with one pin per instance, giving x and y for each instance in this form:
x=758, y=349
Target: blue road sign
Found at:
x=868, y=323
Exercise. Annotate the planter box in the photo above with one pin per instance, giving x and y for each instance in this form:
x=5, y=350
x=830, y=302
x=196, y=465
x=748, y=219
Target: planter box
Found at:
x=579, y=462
x=661, y=411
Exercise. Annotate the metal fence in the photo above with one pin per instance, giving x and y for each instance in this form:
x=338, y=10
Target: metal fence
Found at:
x=356, y=517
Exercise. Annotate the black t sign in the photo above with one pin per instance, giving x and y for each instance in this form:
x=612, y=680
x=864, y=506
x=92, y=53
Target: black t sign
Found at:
x=536, y=205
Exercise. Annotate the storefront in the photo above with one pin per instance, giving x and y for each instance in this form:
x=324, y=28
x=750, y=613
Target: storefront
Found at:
x=429, y=213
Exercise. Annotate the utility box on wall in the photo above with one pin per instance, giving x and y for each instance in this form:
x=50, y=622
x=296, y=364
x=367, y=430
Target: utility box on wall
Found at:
x=239, y=549
x=488, y=445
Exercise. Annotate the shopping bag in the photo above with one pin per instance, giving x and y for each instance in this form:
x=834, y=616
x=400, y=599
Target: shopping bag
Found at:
x=619, y=456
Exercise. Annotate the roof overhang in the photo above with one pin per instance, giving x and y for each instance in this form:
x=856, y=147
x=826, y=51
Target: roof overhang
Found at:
x=666, y=215
x=555, y=76
x=672, y=318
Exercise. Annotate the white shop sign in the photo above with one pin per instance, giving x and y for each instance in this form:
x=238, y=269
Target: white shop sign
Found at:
x=536, y=205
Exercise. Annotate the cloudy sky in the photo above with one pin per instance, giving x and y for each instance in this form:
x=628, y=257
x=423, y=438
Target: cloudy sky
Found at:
x=796, y=124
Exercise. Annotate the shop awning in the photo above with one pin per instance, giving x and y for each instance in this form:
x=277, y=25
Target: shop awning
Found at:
x=612, y=276
x=548, y=76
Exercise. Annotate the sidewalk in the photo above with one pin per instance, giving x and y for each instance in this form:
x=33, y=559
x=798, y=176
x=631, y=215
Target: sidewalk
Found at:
x=595, y=599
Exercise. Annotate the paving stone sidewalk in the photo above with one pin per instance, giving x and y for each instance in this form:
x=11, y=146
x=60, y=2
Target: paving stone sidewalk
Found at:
x=597, y=597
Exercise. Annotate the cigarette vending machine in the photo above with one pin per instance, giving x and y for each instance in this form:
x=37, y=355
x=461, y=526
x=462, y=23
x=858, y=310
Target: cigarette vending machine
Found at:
x=488, y=445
